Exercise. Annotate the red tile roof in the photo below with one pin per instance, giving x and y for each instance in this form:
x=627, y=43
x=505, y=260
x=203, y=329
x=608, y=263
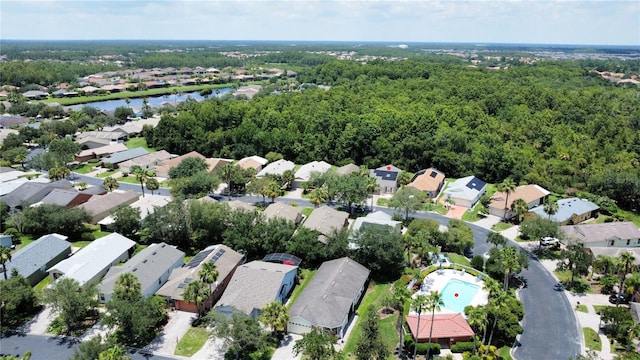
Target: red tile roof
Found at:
x=445, y=326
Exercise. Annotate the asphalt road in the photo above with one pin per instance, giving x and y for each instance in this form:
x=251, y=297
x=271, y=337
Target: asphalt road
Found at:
x=53, y=348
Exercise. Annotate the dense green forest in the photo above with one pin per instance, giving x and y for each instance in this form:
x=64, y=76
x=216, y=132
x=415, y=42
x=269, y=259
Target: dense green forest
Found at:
x=556, y=124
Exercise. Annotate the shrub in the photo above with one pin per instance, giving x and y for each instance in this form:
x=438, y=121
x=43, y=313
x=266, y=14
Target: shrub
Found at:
x=422, y=347
x=87, y=236
x=463, y=346
x=477, y=262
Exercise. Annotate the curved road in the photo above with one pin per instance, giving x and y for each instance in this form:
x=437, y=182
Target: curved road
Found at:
x=550, y=325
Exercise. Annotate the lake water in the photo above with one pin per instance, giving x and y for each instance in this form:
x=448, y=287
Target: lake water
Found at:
x=136, y=103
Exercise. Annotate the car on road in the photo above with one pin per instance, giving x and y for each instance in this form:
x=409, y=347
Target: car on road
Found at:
x=548, y=241
x=558, y=287
x=619, y=298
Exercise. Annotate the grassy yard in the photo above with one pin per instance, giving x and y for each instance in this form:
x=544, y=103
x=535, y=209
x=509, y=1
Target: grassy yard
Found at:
x=501, y=226
x=107, y=173
x=305, y=275
x=95, y=230
x=591, y=339
x=382, y=202
x=458, y=259
x=374, y=296
x=129, y=179
x=85, y=168
x=582, y=307
x=42, y=284
x=307, y=211
x=473, y=215
x=580, y=285
x=191, y=342
x=505, y=353
x=599, y=308
x=80, y=244
x=139, y=142
x=24, y=241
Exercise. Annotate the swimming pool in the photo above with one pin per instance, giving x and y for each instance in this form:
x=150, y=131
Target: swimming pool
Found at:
x=465, y=293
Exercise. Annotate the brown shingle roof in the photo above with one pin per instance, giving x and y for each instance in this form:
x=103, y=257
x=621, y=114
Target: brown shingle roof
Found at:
x=527, y=193
x=430, y=180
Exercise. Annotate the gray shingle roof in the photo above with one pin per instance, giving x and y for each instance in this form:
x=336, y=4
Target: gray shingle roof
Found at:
x=37, y=254
x=589, y=233
x=33, y=192
x=283, y=211
x=60, y=197
x=148, y=266
x=125, y=155
x=567, y=208
x=327, y=299
x=254, y=285
x=347, y=169
x=325, y=220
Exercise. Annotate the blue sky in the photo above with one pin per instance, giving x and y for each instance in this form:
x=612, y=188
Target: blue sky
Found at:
x=476, y=21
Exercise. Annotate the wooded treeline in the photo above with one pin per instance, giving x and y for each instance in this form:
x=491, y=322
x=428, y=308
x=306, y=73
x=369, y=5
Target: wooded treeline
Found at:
x=556, y=124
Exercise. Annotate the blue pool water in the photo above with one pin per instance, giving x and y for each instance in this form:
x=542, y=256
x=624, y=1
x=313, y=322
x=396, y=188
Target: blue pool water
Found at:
x=466, y=292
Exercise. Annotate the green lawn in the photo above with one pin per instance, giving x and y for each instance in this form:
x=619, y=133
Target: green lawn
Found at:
x=80, y=244
x=24, y=241
x=106, y=174
x=501, y=226
x=374, y=296
x=42, y=284
x=307, y=211
x=473, y=215
x=139, y=142
x=191, y=342
x=129, y=179
x=458, y=259
x=582, y=308
x=85, y=168
x=95, y=230
x=580, y=285
x=305, y=275
x=591, y=339
x=599, y=308
x=382, y=202
x=505, y=353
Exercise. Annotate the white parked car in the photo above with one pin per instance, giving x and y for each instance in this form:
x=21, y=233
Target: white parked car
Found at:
x=547, y=240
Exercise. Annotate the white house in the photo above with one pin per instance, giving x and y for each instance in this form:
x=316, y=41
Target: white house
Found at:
x=466, y=191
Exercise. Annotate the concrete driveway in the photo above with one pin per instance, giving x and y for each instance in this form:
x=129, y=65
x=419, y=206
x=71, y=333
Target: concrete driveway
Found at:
x=39, y=324
x=285, y=350
x=165, y=343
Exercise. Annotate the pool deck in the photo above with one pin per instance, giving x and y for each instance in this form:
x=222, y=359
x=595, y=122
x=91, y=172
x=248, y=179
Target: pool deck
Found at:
x=437, y=280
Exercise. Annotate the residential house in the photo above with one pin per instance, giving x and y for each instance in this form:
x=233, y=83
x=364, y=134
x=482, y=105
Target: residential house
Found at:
x=465, y=191
x=123, y=156
x=31, y=192
x=430, y=180
x=330, y=299
x=5, y=132
x=377, y=218
x=447, y=329
x=613, y=234
x=107, y=135
x=151, y=266
x=500, y=204
x=6, y=240
x=347, y=169
x=326, y=220
x=226, y=261
x=33, y=260
x=277, y=168
x=65, y=197
x=100, y=152
x=99, y=207
x=570, y=211
x=35, y=95
x=146, y=162
x=93, y=261
x=304, y=172
x=283, y=211
x=253, y=162
x=7, y=121
x=386, y=178
x=9, y=174
x=282, y=258
x=91, y=142
x=235, y=205
x=162, y=170
x=254, y=285
x=147, y=205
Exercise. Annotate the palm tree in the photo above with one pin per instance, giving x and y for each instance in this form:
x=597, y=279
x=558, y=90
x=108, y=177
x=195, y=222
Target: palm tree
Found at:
x=196, y=292
x=209, y=274
x=318, y=196
x=227, y=172
x=493, y=287
x=272, y=190
x=507, y=186
x=5, y=257
x=496, y=303
x=604, y=264
x=510, y=260
x=82, y=185
x=477, y=320
x=372, y=188
x=520, y=208
x=110, y=183
x=127, y=287
x=625, y=260
x=141, y=175
x=434, y=303
x=550, y=207
x=419, y=304
x=399, y=297
x=276, y=316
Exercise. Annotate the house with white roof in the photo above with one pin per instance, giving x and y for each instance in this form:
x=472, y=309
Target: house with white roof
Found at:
x=93, y=261
x=466, y=191
x=254, y=285
x=614, y=234
x=147, y=205
x=151, y=266
x=377, y=218
x=304, y=172
x=276, y=168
